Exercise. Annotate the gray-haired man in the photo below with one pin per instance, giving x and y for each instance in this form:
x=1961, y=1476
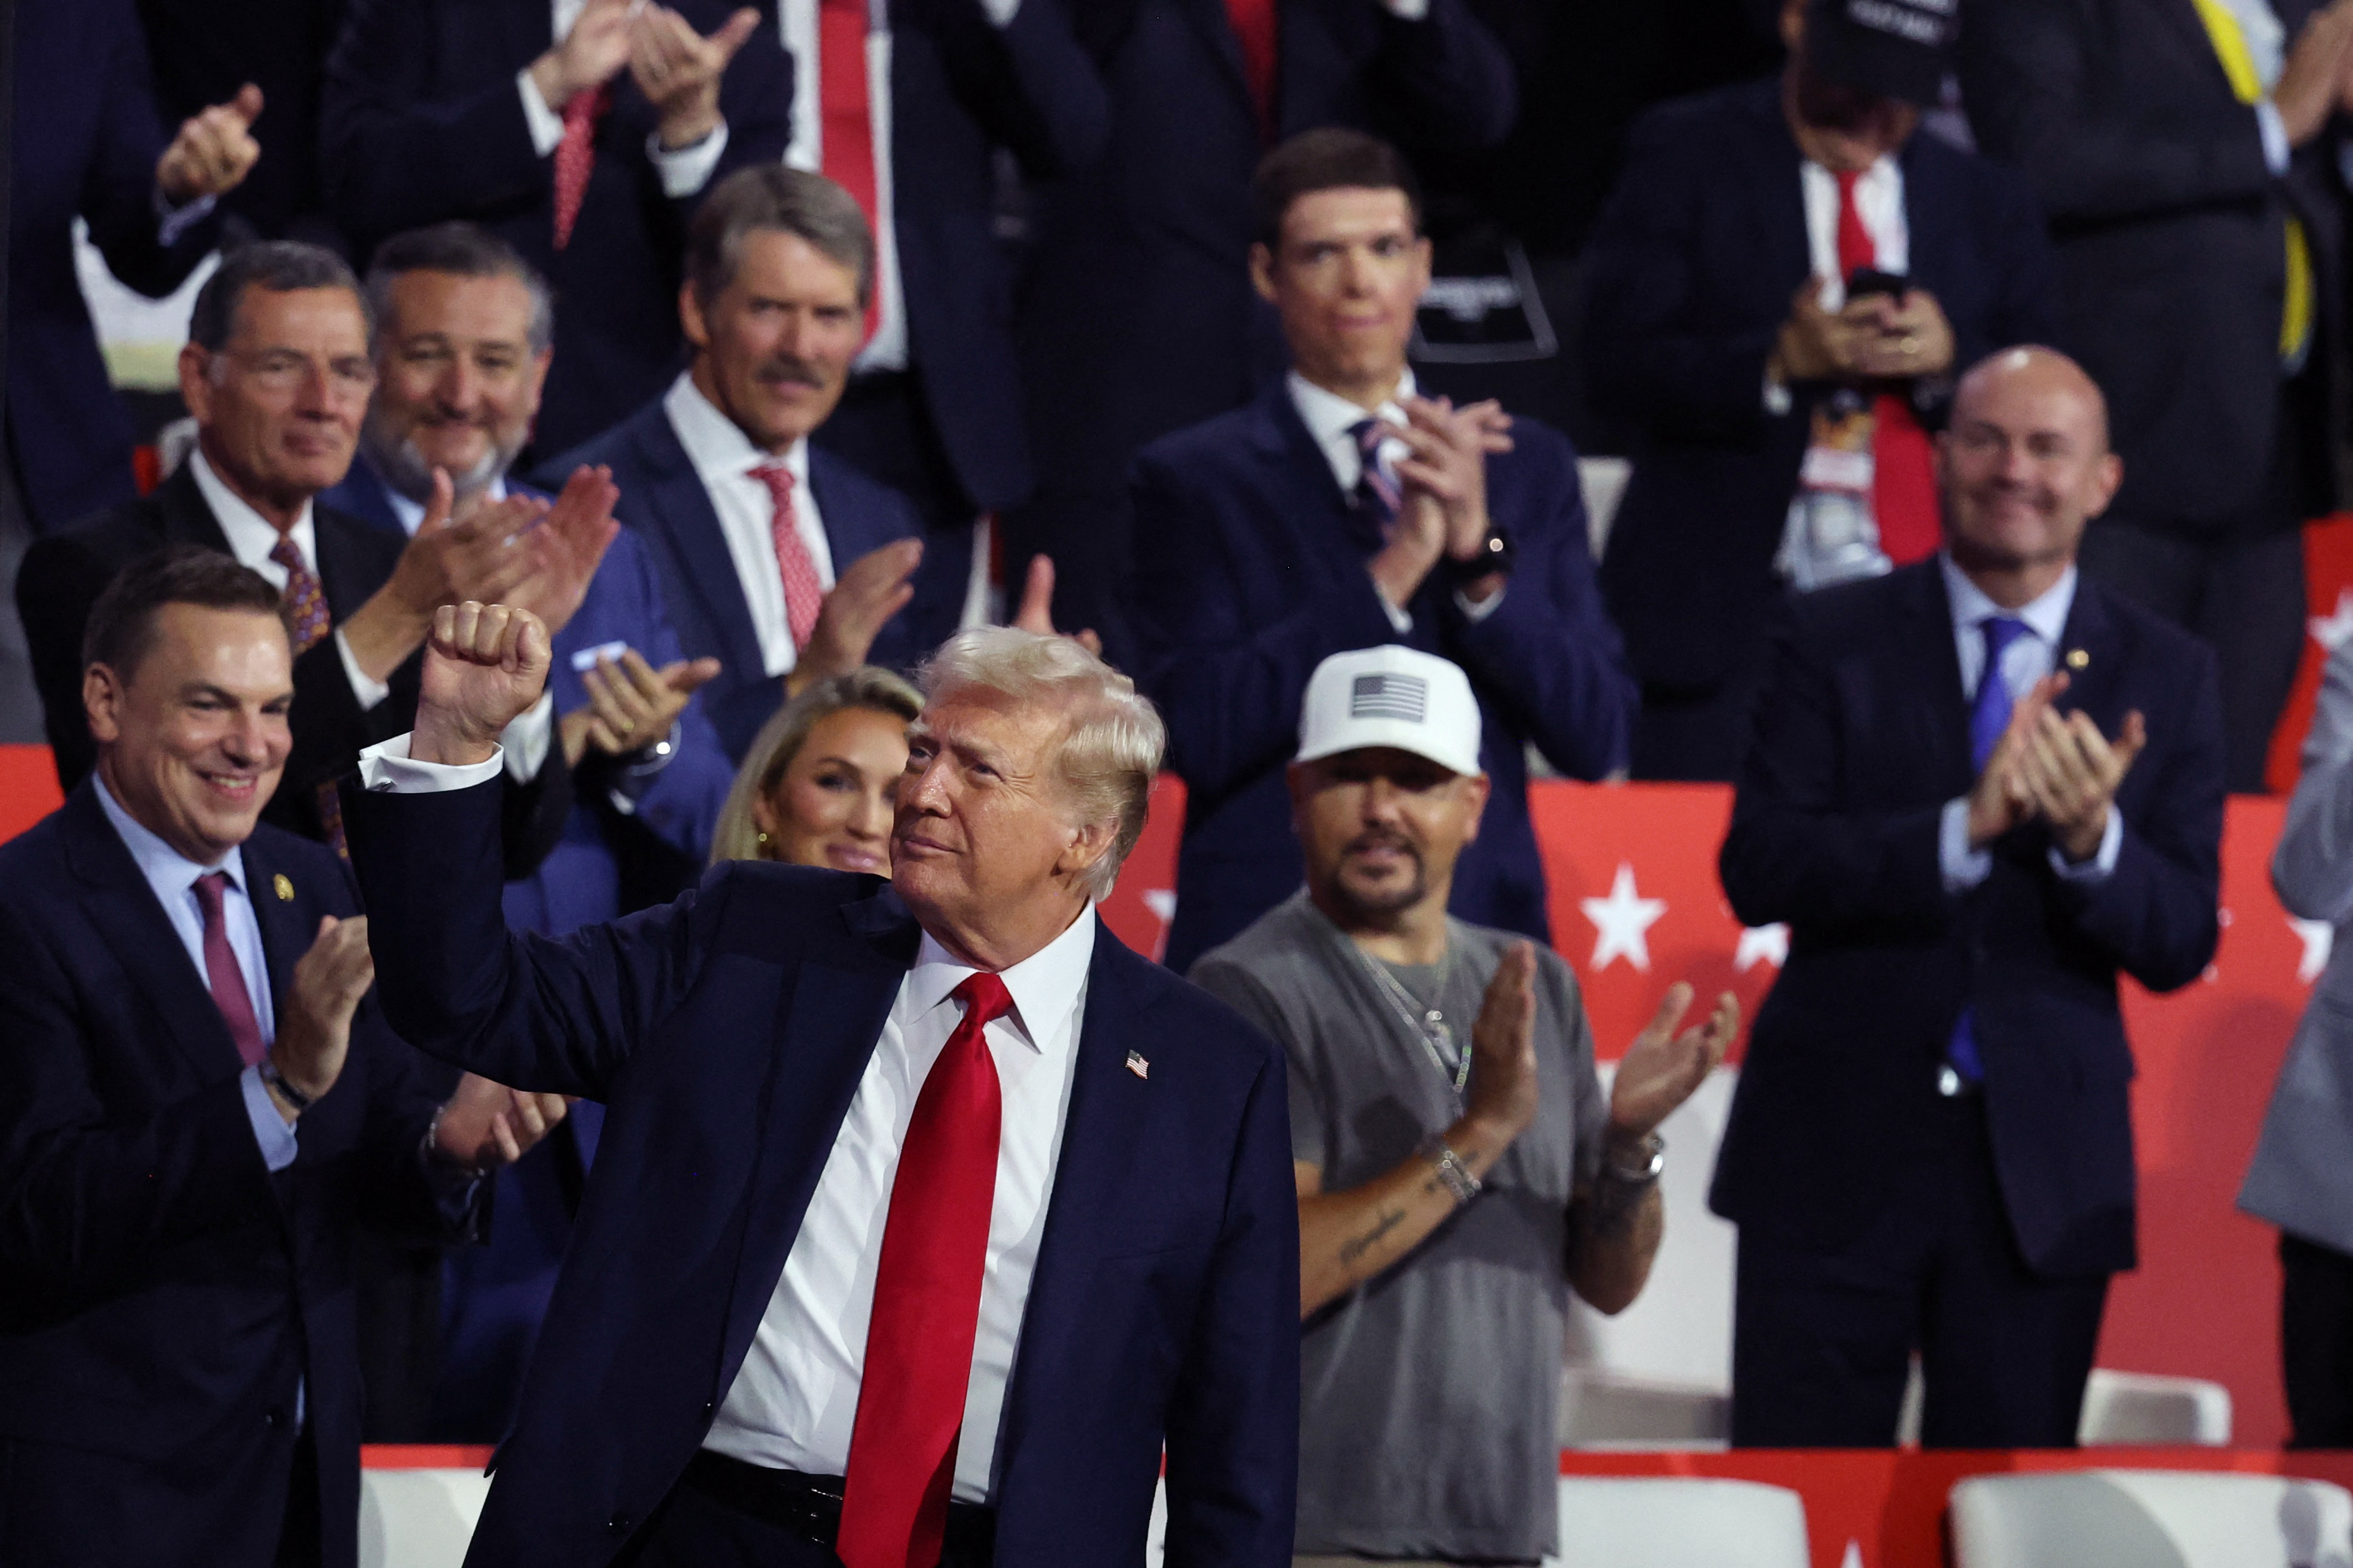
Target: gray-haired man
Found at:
x=780, y=561
x=1459, y=1168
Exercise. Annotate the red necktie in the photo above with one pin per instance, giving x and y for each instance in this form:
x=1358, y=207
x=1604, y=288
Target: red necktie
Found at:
x=847, y=118
x=1255, y=29
x=1904, y=471
x=222, y=973
x=804, y=589
x=575, y=157
x=903, y=1444
x=308, y=622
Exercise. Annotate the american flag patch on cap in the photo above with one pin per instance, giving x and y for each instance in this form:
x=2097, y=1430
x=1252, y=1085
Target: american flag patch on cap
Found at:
x=1385, y=696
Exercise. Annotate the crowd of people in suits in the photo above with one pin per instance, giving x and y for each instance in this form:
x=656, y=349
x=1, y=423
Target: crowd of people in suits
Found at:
x=555, y=694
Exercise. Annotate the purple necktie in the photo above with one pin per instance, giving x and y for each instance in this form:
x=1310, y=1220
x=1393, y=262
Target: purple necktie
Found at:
x=222, y=973
x=1377, y=496
x=1988, y=717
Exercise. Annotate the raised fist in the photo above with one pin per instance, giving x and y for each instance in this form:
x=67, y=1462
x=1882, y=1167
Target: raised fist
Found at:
x=485, y=666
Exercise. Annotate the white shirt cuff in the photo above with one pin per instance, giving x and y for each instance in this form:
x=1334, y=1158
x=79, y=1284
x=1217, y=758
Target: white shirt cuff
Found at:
x=2275, y=134
x=171, y=222
x=270, y=1129
x=1963, y=866
x=688, y=169
x=1407, y=10
x=546, y=125
x=386, y=768
x=525, y=740
x=2102, y=864
x=1399, y=618
x=368, y=691
x=1001, y=12
x=1777, y=395
x=1479, y=612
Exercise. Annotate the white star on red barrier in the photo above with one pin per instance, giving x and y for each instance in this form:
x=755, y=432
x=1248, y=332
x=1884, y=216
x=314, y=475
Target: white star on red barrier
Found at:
x=1621, y=923
x=1765, y=944
x=2318, y=938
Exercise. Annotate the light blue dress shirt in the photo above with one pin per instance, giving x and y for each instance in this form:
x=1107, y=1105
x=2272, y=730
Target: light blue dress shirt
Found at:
x=172, y=877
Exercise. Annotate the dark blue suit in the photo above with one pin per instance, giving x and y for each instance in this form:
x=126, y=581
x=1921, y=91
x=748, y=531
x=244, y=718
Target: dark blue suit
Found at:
x=727, y=1035
x=1693, y=264
x=1137, y=318
x=86, y=145
x=421, y=121
x=497, y=1293
x=1862, y=736
x=664, y=501
x=161, y=1293
x=1250, y=572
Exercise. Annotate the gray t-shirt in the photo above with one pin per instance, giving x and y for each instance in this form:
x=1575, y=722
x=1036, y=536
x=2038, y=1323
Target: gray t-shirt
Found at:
x=1428, y=1418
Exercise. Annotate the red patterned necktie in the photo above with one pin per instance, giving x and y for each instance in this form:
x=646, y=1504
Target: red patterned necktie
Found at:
x=903, y=1444
x=575, y=157
x=223, y=974
x=804, y=589
x=1903, y=468
x=308, y=622
x=846, y=117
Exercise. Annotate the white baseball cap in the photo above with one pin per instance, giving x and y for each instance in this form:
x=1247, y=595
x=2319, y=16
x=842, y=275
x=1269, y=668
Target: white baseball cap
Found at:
x=1391, y=696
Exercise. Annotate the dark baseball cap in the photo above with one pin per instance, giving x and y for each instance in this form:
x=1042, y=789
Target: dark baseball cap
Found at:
x=1896, y=49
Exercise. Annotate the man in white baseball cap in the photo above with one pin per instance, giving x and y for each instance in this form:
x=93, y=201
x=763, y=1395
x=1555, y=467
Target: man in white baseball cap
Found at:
x=1460, y=1169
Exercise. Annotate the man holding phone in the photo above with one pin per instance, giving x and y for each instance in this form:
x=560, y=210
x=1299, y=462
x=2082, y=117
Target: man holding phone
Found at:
x=1784, y=283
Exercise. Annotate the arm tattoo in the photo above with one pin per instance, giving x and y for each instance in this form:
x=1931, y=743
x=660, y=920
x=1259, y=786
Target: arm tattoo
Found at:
x=1612, y=1206
x=1356, y=1246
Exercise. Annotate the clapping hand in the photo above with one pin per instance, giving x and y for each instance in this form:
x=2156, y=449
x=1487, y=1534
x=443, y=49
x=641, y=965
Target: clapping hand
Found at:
x=2000, y=800
x=875, y=587
x=486, y=1125
x=314, y=1029
x=2071, y=773
x=568, y=544
x=589, y=55
x=485, y=666
x=631, y=704
x=213, y=150
x=1662, y=1069
x=678, y=70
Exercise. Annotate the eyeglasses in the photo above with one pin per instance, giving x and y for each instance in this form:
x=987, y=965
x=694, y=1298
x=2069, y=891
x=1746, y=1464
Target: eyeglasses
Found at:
x=284, y=371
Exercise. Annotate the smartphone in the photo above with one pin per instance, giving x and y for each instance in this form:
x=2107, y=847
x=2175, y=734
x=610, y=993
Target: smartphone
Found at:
x=1869, y=280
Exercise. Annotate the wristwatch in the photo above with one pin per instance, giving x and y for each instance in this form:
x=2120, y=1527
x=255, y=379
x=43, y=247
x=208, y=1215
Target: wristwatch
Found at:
x=267, y=1070
x=1654, y=1161
x=1493, y=558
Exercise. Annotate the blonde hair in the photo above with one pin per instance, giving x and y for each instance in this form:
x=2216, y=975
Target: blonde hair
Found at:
x=780, y=739
x=1113, y=748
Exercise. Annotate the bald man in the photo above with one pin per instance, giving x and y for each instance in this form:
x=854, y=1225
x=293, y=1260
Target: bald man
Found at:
x=1981, y=787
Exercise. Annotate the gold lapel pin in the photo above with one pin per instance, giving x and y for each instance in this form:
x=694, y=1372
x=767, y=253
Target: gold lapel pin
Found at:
x=2077, y=659
x=283, y=888
x=1138, y=1066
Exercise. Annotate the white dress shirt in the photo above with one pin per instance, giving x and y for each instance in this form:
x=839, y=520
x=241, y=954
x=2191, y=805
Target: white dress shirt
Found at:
x=683, y=171
x=1331, y=420
x=2028, y=659
x=528, y=738
x=1878, y=202
x=794, y=1401
x=173, y=876
x=724, y=458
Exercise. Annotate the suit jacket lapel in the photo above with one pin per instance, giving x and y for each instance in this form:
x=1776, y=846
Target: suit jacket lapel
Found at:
x=1301, y=472
x=1929, y=643
x=288, y=927
x=1218, y=29
x=186, y=518
x=122, y=907
x=692, y=527
x=848, y=980
x=847, y=531
x=2088, y=656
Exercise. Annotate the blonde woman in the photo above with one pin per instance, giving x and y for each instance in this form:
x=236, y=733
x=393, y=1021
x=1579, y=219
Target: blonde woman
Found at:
x=815, y=788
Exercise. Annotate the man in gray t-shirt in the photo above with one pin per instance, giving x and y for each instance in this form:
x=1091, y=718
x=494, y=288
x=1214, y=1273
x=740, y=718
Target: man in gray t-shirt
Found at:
x=1460, y=1169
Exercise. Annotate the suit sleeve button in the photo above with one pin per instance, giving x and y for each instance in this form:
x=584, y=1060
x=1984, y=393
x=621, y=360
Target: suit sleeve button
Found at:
x=618, y=1524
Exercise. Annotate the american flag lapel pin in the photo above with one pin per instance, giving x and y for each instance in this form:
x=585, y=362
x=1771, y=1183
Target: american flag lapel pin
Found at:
x=1137, y=1065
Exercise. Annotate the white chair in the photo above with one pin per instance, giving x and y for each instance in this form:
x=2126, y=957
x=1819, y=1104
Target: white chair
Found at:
x=418, y=1519
x=1604, y=1409
x=2150, y=1518
x=2142, y=1407
x=1609, y=1523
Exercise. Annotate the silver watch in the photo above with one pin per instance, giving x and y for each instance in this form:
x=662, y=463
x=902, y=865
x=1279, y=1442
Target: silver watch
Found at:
x=1648, y=1171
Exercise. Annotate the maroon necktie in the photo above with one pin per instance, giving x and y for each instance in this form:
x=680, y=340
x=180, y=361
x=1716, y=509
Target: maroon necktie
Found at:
x=903, y=1444
x=222, y=973
x=308, y=622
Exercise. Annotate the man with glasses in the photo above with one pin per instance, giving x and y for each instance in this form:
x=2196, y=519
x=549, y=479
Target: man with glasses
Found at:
x=276, y=374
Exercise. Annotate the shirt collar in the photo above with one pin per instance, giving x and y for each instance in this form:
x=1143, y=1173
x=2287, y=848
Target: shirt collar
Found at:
x=1044, y=987
x=168, y=871
x=1330, y=416
x=251, y=536
x=411, y=513
x=2045, y=616
x=715, y=444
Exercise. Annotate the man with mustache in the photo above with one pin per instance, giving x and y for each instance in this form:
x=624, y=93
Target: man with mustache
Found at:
x=777, y=559
x=1983, y=787
x=1778, y=428
x=1459, y=1168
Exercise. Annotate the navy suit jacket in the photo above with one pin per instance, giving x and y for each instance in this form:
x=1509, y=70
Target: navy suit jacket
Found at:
x=86, y=145
x=1693, y=264
x=1250, y=572
x=726, y=1036
x=1862, y=736
x=421, y=121
x=161, y=1292
x=961, y=87
x=2171, y=234
x=63, y=574
x=663, y=498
